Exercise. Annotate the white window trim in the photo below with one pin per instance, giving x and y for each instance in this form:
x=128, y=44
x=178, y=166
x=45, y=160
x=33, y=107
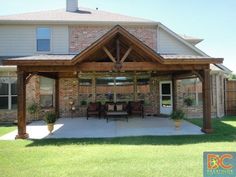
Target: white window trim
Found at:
x=196, y=93
x=51, y=34
x=53, y=94
x=9, y=96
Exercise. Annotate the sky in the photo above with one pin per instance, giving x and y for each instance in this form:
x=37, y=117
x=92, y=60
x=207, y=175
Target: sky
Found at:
x=211, y=20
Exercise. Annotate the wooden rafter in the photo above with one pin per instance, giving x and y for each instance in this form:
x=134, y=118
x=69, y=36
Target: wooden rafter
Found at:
x=109, y=54
x=29, y=77
x=118, y=50
x=126, y=54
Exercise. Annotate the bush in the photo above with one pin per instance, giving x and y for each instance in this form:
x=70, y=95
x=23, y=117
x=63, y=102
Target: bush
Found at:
x=83, y=103
x=33, y=108
x=50, y=117
x=177, y=114
x=188, y=101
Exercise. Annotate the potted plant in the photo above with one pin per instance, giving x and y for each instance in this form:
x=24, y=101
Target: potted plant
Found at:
x=50, y=118
x=177, y=116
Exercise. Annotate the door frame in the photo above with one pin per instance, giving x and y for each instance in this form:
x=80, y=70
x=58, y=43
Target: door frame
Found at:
x=171, y=96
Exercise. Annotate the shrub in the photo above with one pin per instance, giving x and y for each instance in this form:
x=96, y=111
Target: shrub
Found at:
x=33, y=108
x=50, y=117
x=188, y=101
x=83, y=103
x=177, y=114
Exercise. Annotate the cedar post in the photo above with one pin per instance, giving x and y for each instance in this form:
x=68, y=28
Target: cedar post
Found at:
x=57, y=94
x=206, y=102
x=21, y=104
x=93, y=88
x=174, y=92
x=135, y=87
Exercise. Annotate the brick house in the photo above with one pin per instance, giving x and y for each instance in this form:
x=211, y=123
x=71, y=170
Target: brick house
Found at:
x=82, y=55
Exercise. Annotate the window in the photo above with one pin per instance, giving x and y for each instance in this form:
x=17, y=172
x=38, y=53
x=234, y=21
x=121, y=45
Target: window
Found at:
x=143, y=89
x=8, y=93
x=46, y=92
x=105, y=89
x=192, y=88
x=124, y=89
x=43, y=39
x=85, y=91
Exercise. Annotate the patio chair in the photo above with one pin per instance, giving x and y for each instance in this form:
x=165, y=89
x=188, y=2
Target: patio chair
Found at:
x=94, y=109
x=136, y=108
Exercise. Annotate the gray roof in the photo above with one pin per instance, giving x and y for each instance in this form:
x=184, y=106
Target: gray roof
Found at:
x=71, y=56
x=41, y=57
x=83, y=15
x=224, y=68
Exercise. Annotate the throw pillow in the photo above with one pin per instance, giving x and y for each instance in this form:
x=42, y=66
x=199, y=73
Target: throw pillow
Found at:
x=119, y=107
x=111, y=107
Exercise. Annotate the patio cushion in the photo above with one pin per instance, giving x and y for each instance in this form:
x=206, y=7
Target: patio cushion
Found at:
x=119, y=107
x=111, y=107
x=92, y=107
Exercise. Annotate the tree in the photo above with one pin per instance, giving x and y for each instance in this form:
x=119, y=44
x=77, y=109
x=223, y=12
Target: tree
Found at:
x=232, y=76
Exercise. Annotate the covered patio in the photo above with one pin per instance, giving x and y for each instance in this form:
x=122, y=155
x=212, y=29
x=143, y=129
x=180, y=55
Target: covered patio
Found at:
x=98, y=128
x=116, y=54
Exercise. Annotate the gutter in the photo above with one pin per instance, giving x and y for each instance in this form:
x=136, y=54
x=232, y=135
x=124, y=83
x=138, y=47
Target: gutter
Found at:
x=61, y=22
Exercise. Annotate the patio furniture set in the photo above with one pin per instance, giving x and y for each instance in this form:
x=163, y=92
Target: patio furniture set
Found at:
x=115, y=110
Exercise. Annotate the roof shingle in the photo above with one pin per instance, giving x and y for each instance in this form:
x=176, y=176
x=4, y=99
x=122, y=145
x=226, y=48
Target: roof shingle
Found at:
x=83, y=15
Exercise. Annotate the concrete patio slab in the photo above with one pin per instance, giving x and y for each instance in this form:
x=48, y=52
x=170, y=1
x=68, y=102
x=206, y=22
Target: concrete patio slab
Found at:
x=99, y=128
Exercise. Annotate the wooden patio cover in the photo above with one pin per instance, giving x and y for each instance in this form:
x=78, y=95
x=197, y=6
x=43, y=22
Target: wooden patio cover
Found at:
x=116, y=51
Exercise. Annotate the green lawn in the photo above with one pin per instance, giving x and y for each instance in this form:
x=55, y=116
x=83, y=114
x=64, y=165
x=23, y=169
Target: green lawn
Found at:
x=176, y=156
x=6, y=129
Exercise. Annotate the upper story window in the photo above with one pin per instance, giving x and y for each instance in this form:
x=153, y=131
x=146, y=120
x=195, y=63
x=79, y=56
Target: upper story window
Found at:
x=43, y=39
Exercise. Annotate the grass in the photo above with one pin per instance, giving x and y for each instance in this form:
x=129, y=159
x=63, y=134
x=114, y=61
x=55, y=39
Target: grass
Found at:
x=4, y=129
x=176, y=156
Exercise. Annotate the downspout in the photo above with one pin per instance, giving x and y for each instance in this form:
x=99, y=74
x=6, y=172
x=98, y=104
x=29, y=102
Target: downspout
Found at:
x=225, y=97
x=158, y=39
x=217, y=95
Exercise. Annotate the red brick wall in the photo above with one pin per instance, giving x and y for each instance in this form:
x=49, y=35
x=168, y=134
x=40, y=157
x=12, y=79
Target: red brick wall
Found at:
x=82, y=36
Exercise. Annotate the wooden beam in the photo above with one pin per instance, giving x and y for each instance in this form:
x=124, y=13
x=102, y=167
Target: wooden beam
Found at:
x=29, y=77
x=109, y=66
x=48, y=75
x=193, y=61
x=126, y=54
x=21, y=104
x=93, y=88
x=49, y=69
x=174, y=92
x=109, y=55
x=199, y=75
x=135, y=87
x=38, y=62
x=57, y=95
x=137, y=66
x=118, y=50
x=206, y=91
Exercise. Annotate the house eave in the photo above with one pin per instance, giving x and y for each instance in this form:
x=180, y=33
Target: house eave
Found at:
x=61, y=22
